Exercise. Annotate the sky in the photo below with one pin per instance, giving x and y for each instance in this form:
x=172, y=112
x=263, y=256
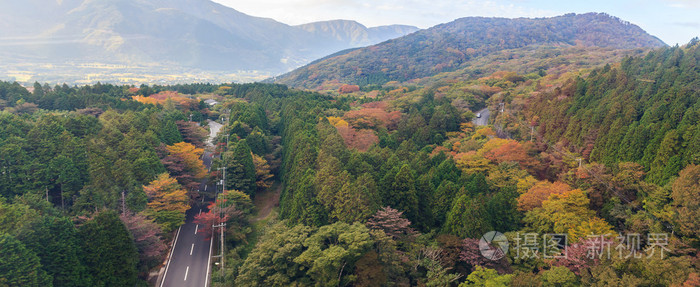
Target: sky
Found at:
x=673, y=21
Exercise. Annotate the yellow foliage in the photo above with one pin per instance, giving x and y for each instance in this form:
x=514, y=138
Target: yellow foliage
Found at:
x=191, y=155
x=471, y=163
x=337, y=122
x=594, y=226
x=165, y=194
x=483, y=133
x=492, y=144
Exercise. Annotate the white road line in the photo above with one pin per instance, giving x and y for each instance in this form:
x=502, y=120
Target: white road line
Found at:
x=191, y=249
x=200, y=211
x=206, y=282
x=196, y=228
x=171, y=256
x=205, y=187
x=187, y=271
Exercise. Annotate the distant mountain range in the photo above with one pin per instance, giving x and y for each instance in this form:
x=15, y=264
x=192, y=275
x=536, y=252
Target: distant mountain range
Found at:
x=451, y=46
x=198, y=34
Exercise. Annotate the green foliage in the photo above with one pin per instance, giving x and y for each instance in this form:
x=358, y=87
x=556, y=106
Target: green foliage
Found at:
x=110, y=253
x=57, y=244
x=19, y=266
x=485, y=277
x=241, y=169
x=559, y=276
x=466, y=219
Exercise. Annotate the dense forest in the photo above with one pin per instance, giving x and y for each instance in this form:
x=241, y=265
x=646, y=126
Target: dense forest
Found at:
x=592, y=178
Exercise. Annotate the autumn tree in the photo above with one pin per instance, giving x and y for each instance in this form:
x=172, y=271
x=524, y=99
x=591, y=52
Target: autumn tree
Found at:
x=686, y=202
x=147, y=238
x=192, y=133
x=540, y=192
x=392, y=223
x=167, y=202
x=184, y=163
x=263, y=177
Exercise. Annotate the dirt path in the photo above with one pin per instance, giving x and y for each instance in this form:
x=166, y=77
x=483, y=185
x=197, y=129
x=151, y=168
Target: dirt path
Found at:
x=266, y=201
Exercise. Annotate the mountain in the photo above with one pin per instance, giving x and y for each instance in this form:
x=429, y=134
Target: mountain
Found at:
x=349, y=33
x=450, y=46
x=196, y=34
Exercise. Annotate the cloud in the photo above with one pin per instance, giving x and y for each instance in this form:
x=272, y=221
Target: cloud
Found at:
x=688, y=24
x=684, y=4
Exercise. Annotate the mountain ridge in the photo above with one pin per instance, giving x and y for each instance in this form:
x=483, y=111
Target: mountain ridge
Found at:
x=193, y=34
x=449, y=46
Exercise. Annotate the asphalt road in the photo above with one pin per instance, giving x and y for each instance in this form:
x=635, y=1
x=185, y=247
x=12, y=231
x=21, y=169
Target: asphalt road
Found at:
x=484, y=119
x=189, y=262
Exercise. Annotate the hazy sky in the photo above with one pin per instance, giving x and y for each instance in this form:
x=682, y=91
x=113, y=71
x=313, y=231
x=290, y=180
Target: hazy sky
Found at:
x=673, y=21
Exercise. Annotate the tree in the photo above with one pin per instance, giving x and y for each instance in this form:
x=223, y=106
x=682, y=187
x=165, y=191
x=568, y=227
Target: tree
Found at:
x=356, y=200
x=146, y=235
x=466, y=219
x=19, y=266
x=390, y=221
x=167, y=202
x=471, y=254
x=401, y=192
x=685, y=192
x=169, y=133
x=110, y=253
x=560, y=213
x=540, y=192
x=485, y=277
x=559, y=276
x=241, y=174
x=55, y=241
x=271, y=262
x=184, y=163
x=192, y=133
x=332, y=251
x=262, y=173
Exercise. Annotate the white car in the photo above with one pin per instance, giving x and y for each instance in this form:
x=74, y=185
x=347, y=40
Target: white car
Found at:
x=478, y=115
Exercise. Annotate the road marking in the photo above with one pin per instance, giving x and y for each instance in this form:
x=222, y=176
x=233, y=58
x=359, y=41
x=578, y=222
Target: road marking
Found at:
x=205, y=187
x=195, y=229
x=200, y=211
x=191, y=249
x=171, y=256
x=187, y=271
x=206, y=280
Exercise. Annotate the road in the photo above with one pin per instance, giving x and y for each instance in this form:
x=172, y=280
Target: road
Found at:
x=189, y=261
x=484, y=119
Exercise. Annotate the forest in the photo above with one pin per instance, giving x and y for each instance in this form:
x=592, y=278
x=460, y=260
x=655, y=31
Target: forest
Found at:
x=592, y=178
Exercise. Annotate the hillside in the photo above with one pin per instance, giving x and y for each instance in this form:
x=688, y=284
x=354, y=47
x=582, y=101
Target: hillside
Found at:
x=453, y=45
x=643, y=110
x=172, y=35
x=348, y=33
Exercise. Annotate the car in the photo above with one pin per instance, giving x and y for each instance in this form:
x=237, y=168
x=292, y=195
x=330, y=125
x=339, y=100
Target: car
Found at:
x=478, y=115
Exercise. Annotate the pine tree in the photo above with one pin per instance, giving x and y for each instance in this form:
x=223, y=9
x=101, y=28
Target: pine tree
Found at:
x=466, y=219
x=19, y=266
x=241, y=169
x=110, y=254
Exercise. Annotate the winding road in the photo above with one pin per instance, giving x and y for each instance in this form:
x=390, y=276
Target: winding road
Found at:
x=484, y=119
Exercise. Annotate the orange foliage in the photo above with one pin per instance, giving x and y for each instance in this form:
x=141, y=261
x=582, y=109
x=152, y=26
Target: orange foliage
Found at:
x=373, y=115
x=361, y=139
x=191, y=155
x=347, y=89
x=509, y=151
x=540, y=192
x=162, y=97
x=165, y=194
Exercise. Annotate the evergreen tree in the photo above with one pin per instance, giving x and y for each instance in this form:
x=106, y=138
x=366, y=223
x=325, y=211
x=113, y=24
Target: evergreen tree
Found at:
x=467, y=218
x=19, y=266
x=110, y=253
x=55, y=240
x=241, y=169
